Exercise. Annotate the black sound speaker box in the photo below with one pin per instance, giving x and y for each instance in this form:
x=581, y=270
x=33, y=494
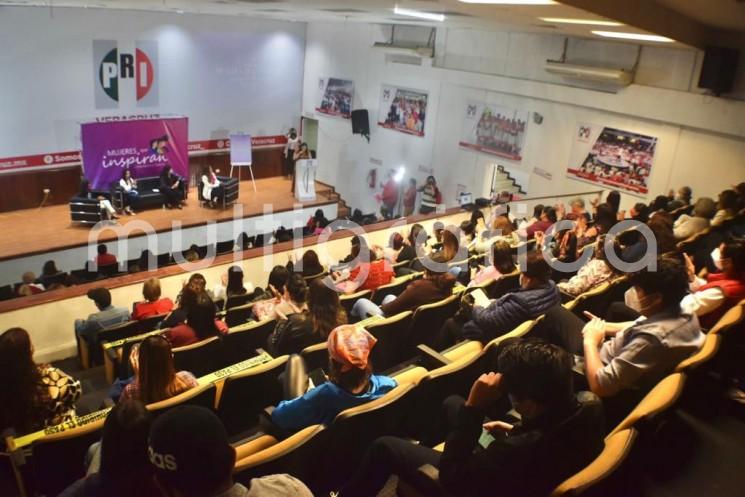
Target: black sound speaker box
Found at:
x=718, y=69
x=361, y=123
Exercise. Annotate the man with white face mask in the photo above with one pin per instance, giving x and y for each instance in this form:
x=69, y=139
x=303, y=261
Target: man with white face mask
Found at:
x=639, y=354
x=712, y=296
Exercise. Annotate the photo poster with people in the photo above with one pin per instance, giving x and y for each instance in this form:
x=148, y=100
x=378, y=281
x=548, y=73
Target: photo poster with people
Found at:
x=403, y=109
x=613, y=158
x=335, y=97
x=494, y=129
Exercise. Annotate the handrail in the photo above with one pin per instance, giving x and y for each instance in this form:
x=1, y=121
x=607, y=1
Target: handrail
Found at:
x=577, y=194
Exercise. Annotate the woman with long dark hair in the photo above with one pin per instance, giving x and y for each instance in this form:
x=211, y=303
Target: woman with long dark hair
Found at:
x=170, y=184
x=129, y=190
x=156, y=378
x=32, y=395
x=325, y=309
x=501, y=264
x=124, y=468
x=310, y=265
x=201, y=323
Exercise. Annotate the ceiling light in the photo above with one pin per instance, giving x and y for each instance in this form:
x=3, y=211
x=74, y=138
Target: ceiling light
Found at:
x=633, y=36
x=418, y=13
x=592, y=22
x=512, y=2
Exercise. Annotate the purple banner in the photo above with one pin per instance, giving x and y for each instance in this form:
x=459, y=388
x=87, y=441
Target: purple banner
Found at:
x=143, y=146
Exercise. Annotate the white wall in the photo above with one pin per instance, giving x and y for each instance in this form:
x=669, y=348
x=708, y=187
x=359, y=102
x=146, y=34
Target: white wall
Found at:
x=224, y=73
x=701, y=138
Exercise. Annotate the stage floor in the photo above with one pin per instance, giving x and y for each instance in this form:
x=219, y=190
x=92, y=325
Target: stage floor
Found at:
x=33, y=231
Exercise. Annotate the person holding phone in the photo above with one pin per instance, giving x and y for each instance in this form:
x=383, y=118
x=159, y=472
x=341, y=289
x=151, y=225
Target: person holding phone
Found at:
x=559, y=432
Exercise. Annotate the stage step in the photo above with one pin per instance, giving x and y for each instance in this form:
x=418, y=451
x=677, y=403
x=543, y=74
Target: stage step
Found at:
x=330, y=192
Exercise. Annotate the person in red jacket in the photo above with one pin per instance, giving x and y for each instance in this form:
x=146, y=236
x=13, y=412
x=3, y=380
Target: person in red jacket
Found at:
x=153, y=305
x=104, y=258
x=715, y=295
x=390, y=196
x=201, y=323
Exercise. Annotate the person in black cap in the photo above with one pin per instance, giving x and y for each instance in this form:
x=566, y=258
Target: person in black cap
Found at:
x=107, y=315
x=192, y=457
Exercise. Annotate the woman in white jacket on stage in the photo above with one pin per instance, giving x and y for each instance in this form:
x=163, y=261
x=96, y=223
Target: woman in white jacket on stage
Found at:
x=211, y=187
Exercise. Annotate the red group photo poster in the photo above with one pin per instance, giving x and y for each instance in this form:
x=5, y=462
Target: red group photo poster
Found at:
x=613, y=158
x=494, y=129
x=403, y=110
x=335, y=97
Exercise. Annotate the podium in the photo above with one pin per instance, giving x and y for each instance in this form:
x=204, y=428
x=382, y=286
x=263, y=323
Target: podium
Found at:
x=305, y=179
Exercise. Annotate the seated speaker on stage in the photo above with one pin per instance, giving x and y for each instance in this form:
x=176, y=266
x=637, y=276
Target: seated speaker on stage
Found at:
x=172, y=187
x=129, y=189
x=212, y=189
x=107, y=210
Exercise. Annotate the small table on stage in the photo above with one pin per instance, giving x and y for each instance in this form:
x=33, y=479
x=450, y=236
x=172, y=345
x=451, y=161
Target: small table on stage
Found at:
x=305, y=179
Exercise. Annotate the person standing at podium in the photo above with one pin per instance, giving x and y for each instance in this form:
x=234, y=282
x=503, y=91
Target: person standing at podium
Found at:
x=301, y=153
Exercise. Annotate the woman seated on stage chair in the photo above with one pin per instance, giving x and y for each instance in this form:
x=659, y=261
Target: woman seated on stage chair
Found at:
x=212, y=190
x=129, y=187
x=107, y=210
x=170, y=184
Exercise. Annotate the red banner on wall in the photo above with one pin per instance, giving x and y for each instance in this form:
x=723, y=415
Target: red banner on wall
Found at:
x=72, y=158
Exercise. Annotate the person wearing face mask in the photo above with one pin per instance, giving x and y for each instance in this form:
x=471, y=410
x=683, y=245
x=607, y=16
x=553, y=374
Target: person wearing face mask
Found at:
x=431, y=196
x=559, y=432
x=623, y=361
x=714, y=295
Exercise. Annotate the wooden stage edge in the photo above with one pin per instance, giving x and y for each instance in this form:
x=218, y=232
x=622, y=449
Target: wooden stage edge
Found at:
x=37, y=231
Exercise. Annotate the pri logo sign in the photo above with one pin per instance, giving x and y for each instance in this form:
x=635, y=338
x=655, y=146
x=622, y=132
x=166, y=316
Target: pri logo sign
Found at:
x=125, y=76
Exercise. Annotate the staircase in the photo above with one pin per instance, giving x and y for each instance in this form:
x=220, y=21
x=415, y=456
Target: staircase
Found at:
x=328, y=191
x=504, y=182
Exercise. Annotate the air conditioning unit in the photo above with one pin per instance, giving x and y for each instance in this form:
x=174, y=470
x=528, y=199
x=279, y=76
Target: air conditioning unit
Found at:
x=417, y=51
x=615, y=77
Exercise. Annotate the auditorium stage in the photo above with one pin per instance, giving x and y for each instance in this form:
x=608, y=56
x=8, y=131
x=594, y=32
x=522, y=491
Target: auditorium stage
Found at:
x=33, y=233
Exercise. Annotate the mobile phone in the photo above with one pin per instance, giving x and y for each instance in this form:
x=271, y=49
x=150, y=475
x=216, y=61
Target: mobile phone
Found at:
x=317, y=376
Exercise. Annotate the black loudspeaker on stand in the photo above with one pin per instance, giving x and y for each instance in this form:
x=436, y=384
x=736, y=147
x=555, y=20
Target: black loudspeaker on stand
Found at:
x=361, y=123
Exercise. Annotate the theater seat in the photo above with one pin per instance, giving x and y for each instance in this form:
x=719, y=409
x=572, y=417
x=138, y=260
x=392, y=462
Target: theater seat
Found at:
x=354, y=430
x=347, y=301
x=617, y=448
x=660, y=399
x=58, y=460
x=242, y=341
x=236, y=316
x=297, y=455
x=392, y=334
x=202, y=395
x=245, y=395
x=316, y=356
x=427, y=321
x=705, y=354
x=201, y=358
x=394, y=288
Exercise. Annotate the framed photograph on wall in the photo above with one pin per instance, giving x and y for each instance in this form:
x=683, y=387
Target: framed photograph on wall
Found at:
x=613, y=158
x=403, y=109
x=335, y=97
x=494, y=129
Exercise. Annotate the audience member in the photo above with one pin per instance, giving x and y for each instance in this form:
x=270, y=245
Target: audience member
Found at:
x=28, y=280
x=559, y=432
x=119, y=465
x=536, y=295
x=265, y=299
x=231, y=285
x=326, y=311
x=577, y=208
x=200, y=324
x=191, y=456
x=104, y=258
x=368, y=274
x=501, y=264
x=310, y=265
x=295, y=297
x=32, y=396
x=351, y=383
x=686, y=226
x=547, y=219
x=596, y=271
x=153, y=304
x=294, y=329
x=639, y=212
x=49, y=273
x=537, y=212
x=317, y=223
x=728, y=206
x=107, y=315
x=681, y=199
x=155, y=376
x=436, y=284
x=714, y=295
x=414, y=244
x=395, y=246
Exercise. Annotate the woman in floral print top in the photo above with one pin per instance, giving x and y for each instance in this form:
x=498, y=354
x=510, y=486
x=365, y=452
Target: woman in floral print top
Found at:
x=32, y=396
x=596, y=271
